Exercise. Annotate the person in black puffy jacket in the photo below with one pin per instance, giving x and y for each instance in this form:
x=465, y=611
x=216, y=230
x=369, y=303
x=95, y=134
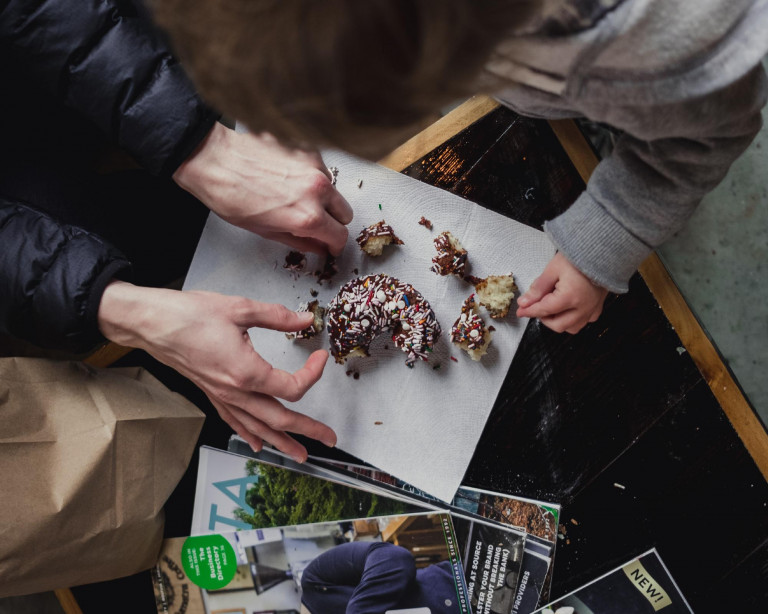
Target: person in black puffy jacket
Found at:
x=84, y=253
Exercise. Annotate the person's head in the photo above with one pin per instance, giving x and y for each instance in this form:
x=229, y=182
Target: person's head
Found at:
x=358, y=74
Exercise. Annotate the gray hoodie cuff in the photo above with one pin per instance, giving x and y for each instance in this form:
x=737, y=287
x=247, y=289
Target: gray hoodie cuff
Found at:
x=596, y=244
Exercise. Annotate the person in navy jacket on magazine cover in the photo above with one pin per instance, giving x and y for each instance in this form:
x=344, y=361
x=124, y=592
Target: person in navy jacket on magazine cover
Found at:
x=374, y=578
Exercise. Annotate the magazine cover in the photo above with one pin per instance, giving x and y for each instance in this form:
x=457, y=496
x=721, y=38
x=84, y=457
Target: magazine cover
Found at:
x=534, y=573
x=236, y=492
x=641, y=586
x=536, y=518
x=491, y=552
x=332, y=472
x=539, y=520
x=491, y=558
x=405, y=563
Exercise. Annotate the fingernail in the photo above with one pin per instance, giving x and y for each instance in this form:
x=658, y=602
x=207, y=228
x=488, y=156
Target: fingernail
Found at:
x=299, y=459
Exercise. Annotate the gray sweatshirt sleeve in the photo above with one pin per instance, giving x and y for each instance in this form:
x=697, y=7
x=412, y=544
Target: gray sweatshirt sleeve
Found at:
x=668, y=157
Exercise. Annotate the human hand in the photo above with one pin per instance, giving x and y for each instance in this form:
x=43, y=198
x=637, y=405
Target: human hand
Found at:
x=562, y=297
x=204, y=337
x=253, y=182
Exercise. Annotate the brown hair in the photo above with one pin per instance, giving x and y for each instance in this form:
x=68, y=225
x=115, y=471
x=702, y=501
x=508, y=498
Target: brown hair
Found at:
x=353, y=74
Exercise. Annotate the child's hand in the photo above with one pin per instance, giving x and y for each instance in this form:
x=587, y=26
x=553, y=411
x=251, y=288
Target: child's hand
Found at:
x=562, y=297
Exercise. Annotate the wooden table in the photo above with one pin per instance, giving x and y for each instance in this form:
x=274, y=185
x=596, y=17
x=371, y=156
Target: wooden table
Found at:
x=635, y=424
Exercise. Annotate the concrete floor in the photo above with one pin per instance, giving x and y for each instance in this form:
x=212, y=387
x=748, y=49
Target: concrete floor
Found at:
x=720, y=263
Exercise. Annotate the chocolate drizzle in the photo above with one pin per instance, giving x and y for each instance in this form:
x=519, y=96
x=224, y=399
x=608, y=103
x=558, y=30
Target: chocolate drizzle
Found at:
x=366, y=307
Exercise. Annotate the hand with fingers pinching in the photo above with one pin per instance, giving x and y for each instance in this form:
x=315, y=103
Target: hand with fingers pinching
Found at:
x=562, y=298
x=204, y=336
x=254, y=182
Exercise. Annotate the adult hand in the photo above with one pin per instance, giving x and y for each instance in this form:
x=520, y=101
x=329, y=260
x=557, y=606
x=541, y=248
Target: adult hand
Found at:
x=204, y=337
x=562, y=297
x=252, y=181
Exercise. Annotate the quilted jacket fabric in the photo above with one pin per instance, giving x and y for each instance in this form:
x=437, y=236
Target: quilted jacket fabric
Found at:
x=104, y=61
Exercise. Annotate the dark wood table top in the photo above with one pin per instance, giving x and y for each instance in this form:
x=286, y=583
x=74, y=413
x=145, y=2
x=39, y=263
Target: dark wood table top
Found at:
x=617, y=423
x=634, y=425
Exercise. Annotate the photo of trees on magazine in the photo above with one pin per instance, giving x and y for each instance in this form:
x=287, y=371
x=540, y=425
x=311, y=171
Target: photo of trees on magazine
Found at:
x=402, y=562
x=282, y=498
x=234, y=492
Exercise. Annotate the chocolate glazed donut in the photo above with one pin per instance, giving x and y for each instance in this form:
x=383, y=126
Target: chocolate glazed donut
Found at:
x=367, y=307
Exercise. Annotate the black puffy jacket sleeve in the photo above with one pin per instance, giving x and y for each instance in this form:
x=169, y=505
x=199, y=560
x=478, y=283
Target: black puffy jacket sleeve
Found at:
x=105, y=60
x=52, y=277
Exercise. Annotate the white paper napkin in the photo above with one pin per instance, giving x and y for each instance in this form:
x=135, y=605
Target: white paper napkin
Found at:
x=420, y=424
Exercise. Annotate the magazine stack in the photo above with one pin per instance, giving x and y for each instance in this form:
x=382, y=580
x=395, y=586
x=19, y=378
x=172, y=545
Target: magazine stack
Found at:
x=272, y=536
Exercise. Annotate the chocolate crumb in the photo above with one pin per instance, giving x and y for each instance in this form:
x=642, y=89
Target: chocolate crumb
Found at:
x=426, y=223
x=313, y=292
x=349, y=372
x=355, y=271
x=295, y=261
x=356, y=375
x=378, y=422
x=451, y=258
x=328, y=271
x=491, y=328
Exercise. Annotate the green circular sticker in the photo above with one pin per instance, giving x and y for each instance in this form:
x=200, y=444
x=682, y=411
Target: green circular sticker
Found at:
x=209, y=561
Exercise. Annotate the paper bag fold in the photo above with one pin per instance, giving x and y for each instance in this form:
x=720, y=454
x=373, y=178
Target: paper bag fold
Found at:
x=88, y=458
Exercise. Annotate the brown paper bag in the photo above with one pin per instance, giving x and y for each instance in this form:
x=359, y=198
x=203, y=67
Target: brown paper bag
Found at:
x=88, y=457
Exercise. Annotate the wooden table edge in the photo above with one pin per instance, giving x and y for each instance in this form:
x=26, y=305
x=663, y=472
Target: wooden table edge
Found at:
x=67, y=601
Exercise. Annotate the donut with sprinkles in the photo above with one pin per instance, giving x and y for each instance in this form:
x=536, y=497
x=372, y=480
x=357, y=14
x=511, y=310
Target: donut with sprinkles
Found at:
x=370, y=306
